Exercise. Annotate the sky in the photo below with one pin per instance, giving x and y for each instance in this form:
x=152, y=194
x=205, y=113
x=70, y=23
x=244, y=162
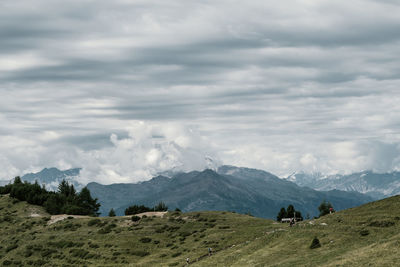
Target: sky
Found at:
x=128, y=89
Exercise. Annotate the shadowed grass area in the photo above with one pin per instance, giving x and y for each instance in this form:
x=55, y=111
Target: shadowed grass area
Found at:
x=367, y=235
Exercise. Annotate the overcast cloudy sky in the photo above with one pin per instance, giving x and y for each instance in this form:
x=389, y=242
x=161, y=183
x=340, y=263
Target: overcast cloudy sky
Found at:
x=126, y=89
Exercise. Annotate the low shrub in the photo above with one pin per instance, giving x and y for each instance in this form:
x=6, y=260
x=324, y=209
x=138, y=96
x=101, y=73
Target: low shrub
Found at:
x=7, y=263
x=35, y=247
x=28, y=253
x=65, y=244
x=173, y=228
x=382, y=223
x=185, y=234
x=103, y=231
x=11, y=247
x=140, y=253
x=145, y=240
x=94, y=246
x=47, y=252
x=180, y=220
x=71, y=226
x=315, y=243
x=46, y=219
x=176, y=254
x=364, y=232
x=80, y=253
x=94, y=222
x=135, y=218
x=107, y=229
x=159, y=230
x=175, y=213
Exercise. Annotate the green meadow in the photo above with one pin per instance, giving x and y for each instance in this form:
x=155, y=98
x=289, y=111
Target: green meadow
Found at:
x=368, y=235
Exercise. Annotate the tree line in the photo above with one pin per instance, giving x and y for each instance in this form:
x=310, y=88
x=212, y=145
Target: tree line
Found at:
x=324, y=208
x=290, y=212
x=136, y=209
x=65, y=200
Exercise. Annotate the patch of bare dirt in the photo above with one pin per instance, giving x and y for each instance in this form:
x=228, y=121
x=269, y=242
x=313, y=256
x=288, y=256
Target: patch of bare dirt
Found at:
x=150, y=214
x=60, y=217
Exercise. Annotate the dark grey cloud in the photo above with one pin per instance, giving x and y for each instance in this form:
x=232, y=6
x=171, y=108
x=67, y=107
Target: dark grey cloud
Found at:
x=125, y=89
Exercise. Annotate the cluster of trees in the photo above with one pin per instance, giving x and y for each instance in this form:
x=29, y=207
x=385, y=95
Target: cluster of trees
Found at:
x=136, y=209
x=65, y=200
x=290, y=212
x=325, y=208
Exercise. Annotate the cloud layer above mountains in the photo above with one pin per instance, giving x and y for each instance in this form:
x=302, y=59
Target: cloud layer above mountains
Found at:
x=126, y=89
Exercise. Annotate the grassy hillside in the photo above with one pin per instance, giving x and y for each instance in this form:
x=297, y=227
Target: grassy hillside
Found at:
x=367, y=235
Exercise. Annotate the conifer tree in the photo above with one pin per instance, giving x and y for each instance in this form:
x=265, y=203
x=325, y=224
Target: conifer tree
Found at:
x=111, y=213
x=282, y=214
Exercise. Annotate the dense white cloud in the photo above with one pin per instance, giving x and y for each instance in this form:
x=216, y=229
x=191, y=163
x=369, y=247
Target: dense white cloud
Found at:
x=126, y=89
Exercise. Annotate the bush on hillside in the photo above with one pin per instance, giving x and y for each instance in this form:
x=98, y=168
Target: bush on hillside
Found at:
x=364, y=232
x=140, y=253
x=135, y=218
x=382, y=223
x=145, y=240
x=315, y=243
x=94, y=222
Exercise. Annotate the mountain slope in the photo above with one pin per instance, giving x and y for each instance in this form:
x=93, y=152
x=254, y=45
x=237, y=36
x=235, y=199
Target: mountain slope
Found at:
x=363, y=236
x=230, y=188
x=377, y=185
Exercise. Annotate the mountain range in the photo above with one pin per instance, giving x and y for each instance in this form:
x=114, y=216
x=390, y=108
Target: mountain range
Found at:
x=228, y=188
x=232, y=188
x=376, y=185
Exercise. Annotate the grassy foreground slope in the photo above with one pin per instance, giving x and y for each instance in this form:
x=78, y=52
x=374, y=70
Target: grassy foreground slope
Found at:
x=364, y=236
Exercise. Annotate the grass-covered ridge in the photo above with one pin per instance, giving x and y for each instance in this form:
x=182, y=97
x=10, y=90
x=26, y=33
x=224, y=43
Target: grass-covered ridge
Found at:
x=367, y=235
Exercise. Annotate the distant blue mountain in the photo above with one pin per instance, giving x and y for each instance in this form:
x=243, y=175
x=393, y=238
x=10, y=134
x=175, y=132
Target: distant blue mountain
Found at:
x=376, y=185
x=229, y=188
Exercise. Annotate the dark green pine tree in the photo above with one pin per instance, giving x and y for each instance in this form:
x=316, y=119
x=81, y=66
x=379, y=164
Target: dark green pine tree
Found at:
x=282, y=214
x=111, y=213
x=161, y=207
x=290, y=211
x=298, y=215
x=87, y=203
